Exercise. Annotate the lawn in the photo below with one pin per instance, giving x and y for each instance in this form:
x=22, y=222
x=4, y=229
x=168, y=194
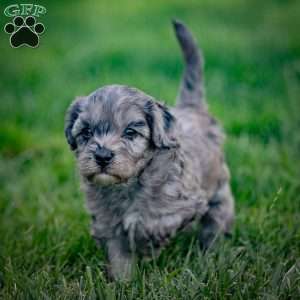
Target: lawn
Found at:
x=252, y=74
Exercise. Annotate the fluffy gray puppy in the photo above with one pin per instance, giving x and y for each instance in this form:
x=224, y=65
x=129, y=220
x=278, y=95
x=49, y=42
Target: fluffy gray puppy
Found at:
x=148, y=171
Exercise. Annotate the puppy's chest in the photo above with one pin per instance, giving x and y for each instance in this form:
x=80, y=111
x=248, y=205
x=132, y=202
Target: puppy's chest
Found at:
x=107, y=206
x=110, y=202
x=147, y=211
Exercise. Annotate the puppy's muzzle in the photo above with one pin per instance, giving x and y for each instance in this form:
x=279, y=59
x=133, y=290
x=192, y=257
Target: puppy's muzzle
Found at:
x=103, y=156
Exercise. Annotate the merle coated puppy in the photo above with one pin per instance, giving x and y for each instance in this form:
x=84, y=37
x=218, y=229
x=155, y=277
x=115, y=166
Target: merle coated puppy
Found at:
x=148, y=171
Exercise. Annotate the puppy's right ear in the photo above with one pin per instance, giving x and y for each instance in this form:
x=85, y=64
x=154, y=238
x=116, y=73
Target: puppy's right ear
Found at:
x=71, y=116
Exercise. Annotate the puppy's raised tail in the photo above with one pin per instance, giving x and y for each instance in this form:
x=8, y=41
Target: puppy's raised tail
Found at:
x=191, y=91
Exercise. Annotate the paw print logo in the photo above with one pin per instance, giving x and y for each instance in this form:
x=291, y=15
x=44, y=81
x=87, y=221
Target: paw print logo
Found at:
x=24, y=32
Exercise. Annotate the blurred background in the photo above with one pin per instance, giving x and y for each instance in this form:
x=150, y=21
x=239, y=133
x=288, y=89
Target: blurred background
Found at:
x=252, y=77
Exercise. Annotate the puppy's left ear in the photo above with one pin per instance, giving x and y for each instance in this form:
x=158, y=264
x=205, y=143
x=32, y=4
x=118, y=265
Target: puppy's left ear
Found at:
x=71, y=116
x=161, y=123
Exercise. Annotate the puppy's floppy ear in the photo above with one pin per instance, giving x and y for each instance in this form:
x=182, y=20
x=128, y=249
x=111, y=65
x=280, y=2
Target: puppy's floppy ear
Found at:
x=161, y=123
x=71, y=116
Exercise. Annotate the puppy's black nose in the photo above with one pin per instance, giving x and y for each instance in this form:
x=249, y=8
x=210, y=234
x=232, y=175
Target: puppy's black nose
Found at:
x=103, y=156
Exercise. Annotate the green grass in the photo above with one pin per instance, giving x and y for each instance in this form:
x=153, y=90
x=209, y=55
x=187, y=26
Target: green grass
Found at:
x=252, y=52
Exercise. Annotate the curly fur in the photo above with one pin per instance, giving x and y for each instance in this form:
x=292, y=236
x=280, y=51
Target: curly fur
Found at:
x=170, y=173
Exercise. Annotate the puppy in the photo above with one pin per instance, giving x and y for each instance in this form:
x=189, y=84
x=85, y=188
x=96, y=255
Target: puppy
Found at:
x=148, y=171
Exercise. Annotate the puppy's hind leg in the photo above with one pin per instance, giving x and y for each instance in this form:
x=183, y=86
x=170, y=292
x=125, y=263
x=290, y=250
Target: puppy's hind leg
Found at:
x=219, y=218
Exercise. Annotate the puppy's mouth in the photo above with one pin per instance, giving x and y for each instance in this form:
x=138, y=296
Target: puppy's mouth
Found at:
x=104, y=179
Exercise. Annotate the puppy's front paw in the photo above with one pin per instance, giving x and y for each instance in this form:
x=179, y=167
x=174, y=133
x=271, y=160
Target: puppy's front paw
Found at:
x=134, y=228
x=130, y=221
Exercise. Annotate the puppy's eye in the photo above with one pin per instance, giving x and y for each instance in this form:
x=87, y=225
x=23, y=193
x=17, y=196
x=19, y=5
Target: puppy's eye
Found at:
x=86, y=133
x=130, y=133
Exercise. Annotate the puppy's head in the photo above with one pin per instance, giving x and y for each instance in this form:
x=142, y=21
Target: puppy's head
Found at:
x=115, y=131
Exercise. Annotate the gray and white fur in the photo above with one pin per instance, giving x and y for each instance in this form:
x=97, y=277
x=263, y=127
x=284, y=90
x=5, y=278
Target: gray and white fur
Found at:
x=148, y=171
